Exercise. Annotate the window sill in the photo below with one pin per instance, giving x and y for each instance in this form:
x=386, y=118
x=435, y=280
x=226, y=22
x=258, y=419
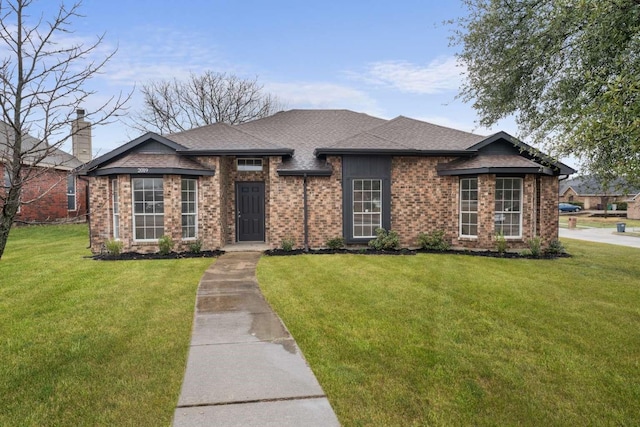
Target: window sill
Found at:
x=467, y=238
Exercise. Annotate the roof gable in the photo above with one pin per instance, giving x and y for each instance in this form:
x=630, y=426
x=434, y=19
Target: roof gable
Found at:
x=149, y=139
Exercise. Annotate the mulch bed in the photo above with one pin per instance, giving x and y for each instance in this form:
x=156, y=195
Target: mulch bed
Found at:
x=172, y=255
x=368, y=251
x=493, y=254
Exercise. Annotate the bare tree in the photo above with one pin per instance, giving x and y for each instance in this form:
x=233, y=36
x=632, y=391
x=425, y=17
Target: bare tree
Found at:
x=175, y=105
x=43, y=74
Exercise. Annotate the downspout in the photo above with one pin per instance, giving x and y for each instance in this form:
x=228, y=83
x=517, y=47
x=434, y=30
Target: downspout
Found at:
x=87, y=198
x=306, y=213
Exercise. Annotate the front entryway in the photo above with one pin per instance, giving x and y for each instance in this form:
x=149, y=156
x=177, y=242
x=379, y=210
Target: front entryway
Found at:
x=250, y=211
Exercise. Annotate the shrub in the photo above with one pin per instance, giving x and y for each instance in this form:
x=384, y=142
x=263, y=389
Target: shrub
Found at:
x=335, y=243
x=166, y=244
x=578, y=204
x=621, y=206
x=434, y=241
x=555, y=248
x=385, y=240
x=287, y=244
x=195, y=247
x=501, y=243
x=114, y=247
x=535, y=246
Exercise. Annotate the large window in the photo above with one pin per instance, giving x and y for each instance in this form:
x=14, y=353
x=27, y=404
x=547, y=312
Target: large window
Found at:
x=189, y=208
x=508, y=210
x=367, y=207
x=469, y=207
x=71, y=193
x=116, y=209
x=148, y=208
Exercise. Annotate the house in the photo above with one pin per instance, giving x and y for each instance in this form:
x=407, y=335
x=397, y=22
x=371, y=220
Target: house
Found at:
x=53, y=192
x=633, y=207
x=313, y=175
x=592, y=194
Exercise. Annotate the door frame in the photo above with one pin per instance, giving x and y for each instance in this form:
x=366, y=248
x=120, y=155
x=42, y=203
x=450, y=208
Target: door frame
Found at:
x=237, y=209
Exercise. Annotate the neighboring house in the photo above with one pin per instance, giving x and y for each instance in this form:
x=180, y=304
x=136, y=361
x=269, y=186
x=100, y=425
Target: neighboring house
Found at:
x=313, y=175
x=592, y=194
x=53, y=192
x=633, y=207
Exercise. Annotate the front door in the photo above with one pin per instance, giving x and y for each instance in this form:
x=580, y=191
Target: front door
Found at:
x=250, y=211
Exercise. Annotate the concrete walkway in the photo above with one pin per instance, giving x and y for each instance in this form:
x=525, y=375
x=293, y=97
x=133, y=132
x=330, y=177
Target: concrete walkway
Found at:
x=601, y=235
x=244, y=368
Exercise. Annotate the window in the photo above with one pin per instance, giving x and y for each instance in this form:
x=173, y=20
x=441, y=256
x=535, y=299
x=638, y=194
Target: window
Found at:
x=71, y=193
x=249, y=165
x=508, y=206
x=7, y=178
x=469, y=207
x=367, y=207
x=148, y=208
x=189, y=204
x=116, y=209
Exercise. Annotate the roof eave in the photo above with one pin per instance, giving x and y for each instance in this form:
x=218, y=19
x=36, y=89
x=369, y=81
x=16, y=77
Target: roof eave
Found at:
x=496, y=170
x=151, y=171
x=303, y=172
x=238, y=152
x=390, y=152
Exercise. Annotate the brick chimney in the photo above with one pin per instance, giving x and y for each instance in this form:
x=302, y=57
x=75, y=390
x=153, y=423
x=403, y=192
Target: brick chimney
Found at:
x=81, y=138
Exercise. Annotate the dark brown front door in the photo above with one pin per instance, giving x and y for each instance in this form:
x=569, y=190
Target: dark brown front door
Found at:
x=250, y=211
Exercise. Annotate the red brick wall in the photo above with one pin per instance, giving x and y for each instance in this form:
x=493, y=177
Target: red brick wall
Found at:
x=421, y=201
x=44, y=197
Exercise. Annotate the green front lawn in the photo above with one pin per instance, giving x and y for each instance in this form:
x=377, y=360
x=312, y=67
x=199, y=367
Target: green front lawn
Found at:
x=459, y=340
x=86, y=342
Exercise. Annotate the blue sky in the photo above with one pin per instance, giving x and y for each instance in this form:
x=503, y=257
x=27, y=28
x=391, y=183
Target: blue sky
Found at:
x=378, y=57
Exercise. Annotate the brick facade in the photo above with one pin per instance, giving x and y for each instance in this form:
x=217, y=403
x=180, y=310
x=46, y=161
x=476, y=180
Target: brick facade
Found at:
x=44, y=197
x=421, y=201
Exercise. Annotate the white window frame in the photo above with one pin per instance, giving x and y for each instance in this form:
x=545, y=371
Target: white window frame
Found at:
x=507, y=207
x=364, y=211
x=72, y=193
x=115, y=208
x=249, y=164
x=185, y=204
x=469, y=211
x=152, y=204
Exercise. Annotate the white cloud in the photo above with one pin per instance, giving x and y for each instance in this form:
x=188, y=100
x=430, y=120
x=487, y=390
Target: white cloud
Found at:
x=323, y=95
x=163, y=54
x=440, y=75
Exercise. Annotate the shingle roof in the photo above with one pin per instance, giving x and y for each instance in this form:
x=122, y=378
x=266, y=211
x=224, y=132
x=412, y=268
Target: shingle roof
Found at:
x=170, y=161
x=490, y=162
x=304, y=137
x=590, y=186
x=223, y=137
x=34, y=149
x=306, y=130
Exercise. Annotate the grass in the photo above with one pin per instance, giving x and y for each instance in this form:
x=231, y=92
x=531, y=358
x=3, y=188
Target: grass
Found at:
x=86, y=342
x=458, y=340
x=598, y=222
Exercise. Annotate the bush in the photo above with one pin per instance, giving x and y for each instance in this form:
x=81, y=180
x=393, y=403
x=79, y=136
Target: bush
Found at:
x=434, y=241
x=535, y=246
x=195, y=247
x=114, y=247
x=577, y=204
x=335, y=243
x=621, y=206
x=385, y=240
x=166, y=244
x=501, y=243
x=287, y=244
x=555, y=248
